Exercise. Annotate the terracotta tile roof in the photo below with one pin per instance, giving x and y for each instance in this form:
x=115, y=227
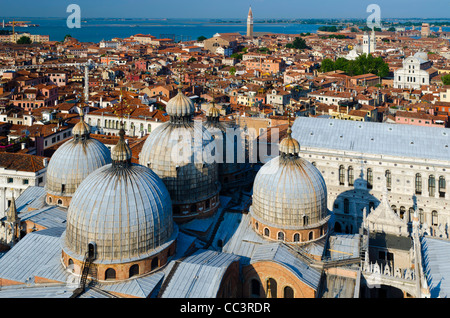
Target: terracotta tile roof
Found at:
x=21, y=162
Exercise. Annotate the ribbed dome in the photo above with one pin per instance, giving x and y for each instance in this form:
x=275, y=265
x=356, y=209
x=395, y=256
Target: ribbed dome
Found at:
x=121, y=151
x=213, y=111
x=286, y=189
x=81, y=128
x=289, y=145
x=73, y=162
x=185, y=164
x=180, y=105
x=124, y=209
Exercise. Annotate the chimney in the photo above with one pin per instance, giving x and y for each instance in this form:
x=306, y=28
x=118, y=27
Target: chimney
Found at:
x=45, y=162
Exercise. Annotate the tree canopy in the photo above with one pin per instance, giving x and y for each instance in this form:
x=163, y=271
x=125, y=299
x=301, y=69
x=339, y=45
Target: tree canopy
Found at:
x=363, y=64
x=24, y=40
x=446, y=79
x=298, y=43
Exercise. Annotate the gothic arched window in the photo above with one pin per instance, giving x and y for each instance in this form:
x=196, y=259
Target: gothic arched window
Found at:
x=369, y=178
x=442, y=187
x=350, y=176
x=388, y=179
x=431, y=185
x=341, y=175
x=418, y=183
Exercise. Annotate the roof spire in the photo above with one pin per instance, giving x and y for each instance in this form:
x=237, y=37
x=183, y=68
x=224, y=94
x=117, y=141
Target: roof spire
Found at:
x=121, y=152
x=81, y=130
x=11, y=215
x=289, y=146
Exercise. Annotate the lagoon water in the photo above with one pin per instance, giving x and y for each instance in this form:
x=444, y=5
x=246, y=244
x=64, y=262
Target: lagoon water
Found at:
x=96, y=30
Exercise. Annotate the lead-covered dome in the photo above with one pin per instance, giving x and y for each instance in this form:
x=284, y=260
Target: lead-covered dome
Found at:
x=72, y=163
x=186, y=165
x=182, y=153
x=289, y=193
x=124, y=209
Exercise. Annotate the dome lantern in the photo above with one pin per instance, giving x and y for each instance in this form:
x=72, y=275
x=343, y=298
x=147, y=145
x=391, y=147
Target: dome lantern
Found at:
x=180, y=108
x=121, y=152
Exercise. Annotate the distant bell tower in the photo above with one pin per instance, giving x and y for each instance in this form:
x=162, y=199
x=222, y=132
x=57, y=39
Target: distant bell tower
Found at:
x=250, y=23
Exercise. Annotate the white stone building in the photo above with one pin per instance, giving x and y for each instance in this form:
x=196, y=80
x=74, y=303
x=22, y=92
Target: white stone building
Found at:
x=359, y=159
x=18, y=172
x=414, y=72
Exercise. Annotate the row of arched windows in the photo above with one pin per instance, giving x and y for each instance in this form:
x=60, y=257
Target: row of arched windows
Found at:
x=281, y=235
x=402, y=214
x=271, y=284
x=110, y=273
x=115, y=124
x=349, y=175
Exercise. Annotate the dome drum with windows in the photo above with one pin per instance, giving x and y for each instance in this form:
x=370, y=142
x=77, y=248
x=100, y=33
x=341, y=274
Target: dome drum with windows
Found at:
x=72, y=163
x=289, y=197
x=181, y=153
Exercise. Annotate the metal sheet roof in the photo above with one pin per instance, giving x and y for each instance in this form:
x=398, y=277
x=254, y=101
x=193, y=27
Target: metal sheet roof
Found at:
x=373, y=138
x=435, y=256
x=138, y=287
x=200, y=275
x=281, y=254
x=41, y=291
x=343, y=246
x=238, y=237
x=31, y=254
x=48, y=216
x=32, y=197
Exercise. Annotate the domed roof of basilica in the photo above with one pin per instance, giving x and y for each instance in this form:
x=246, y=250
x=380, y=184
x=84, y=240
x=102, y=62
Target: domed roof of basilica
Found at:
x=124, y=208
x=74, y=161
x=182, y=153
x=289, y=188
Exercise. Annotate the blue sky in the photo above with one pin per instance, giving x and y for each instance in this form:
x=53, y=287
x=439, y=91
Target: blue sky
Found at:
x=227, y=8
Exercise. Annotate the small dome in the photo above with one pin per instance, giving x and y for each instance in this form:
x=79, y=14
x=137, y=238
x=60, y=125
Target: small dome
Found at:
x=81, y=128
x=286, y=189
x=213, y=111
x=74, y=161
x=289, y=145
x=180, y=105
x=121, y=151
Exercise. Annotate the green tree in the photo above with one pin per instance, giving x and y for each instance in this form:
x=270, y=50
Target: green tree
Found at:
x=237, y=56
x=298, y=43
x=201, y=38
x=446, y=79
x=232, y=70
x=24, y=40
x=327, y=66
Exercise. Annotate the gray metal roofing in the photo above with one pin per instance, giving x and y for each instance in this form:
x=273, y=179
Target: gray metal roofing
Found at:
x=31, y=254
x=48, y=216
x=281, y=254
x=41, y=291
x=31, y=197
x=238, y=237
x=435, y=256
x=344, y=245
x=373, y=138
x=138, y=287
x=200, y=275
